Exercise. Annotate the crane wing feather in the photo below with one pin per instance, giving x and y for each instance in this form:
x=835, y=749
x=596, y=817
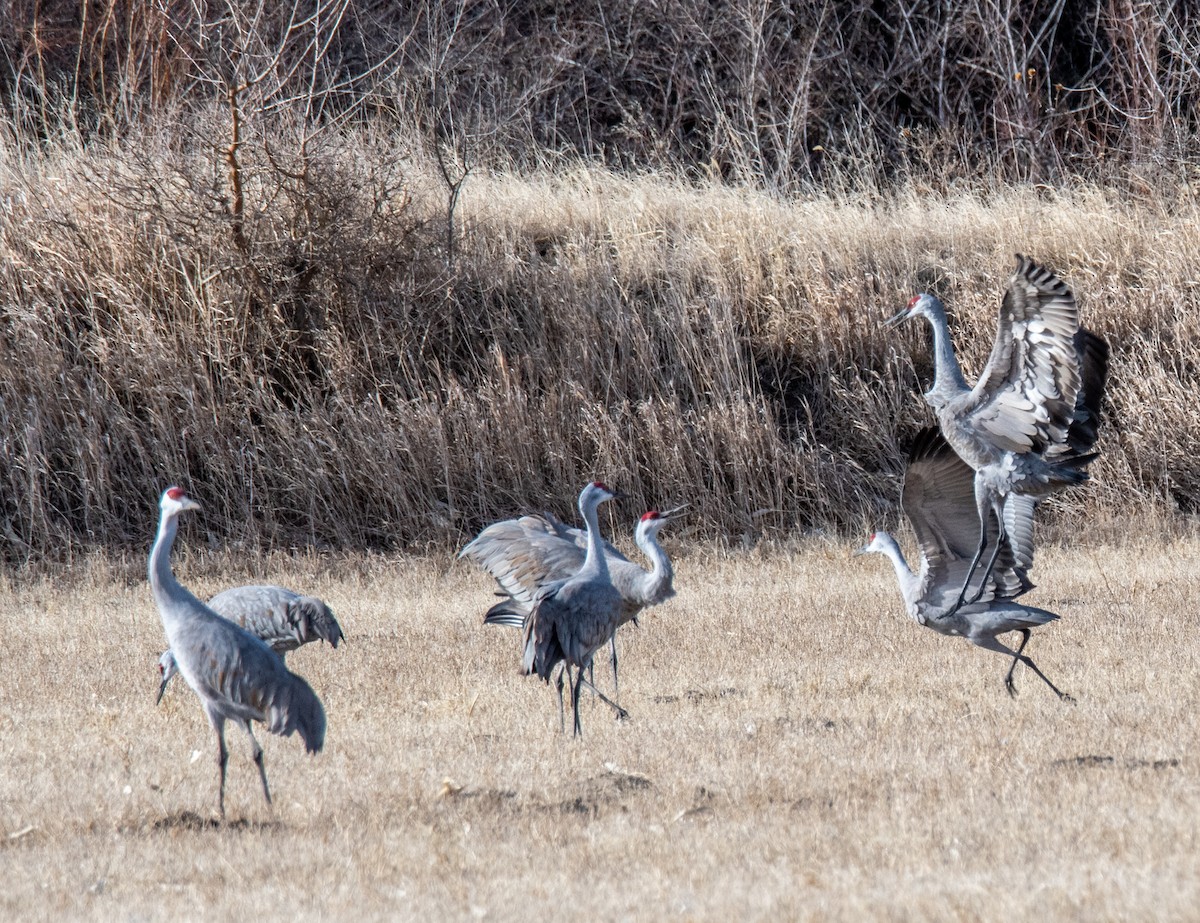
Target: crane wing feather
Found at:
x=1025, y=397
x=527, y=553
x=283, y=618
x=938, y=498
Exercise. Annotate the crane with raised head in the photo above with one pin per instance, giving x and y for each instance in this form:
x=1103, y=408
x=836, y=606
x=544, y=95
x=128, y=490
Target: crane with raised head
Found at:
x=236, y=676
x=1028, y=425
x=527, y=553
x=283, y=618
x=938, y=499
x=573, y=618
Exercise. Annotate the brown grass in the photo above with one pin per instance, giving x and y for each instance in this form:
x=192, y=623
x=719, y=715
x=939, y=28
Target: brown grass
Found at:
x=338, y=383
x=797, y=749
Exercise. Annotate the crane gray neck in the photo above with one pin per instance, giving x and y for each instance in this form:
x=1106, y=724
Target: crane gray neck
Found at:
x=947, y=375
x=661, y=572
x=910, y=583
x=594, y=562
x=163, y=585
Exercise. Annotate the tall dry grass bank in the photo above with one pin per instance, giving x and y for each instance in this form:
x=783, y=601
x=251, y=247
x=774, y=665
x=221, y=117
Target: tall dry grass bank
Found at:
x=355, y=352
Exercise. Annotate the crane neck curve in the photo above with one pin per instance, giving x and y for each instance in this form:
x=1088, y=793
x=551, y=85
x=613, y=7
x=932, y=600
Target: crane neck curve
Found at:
x=947, y=374
x=166, y=589
x=159, y=566
x=910, y=583
x=593, y=562
x=661, y=574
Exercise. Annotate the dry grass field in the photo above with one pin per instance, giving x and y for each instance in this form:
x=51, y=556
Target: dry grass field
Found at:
x=364, y=277
x=797, y=749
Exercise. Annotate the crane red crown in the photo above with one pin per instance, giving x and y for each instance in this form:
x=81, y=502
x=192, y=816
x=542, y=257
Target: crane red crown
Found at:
x=651, y=514
x=175, y=493
x=601, y=485
x=912, y=302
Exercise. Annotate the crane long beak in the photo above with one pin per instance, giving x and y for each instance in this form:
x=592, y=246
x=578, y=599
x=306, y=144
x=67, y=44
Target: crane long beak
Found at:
x=857, y=551
x=162, y=687
x=896, y=318
x=671, y=514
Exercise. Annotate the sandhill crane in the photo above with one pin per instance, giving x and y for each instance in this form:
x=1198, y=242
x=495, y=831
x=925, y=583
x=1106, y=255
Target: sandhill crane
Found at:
x=1029, y=423
x=572, y=618
x=527, y=553
x=938, y=498
x=283, y=618
x=236, y=675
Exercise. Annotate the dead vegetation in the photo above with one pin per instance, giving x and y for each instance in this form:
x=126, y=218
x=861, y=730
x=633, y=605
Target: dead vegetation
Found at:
x=339, y=385
x=310, y=263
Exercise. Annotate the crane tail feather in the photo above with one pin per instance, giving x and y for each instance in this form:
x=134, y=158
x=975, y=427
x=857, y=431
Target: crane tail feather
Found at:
x=509, y=613
x=297, y=709
x=318, y=621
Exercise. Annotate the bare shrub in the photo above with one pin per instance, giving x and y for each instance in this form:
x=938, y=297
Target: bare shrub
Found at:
x=355, y=288
x=333, y=380
x=784, y=95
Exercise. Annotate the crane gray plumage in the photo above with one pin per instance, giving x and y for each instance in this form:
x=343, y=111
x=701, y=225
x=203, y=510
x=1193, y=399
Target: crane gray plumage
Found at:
x=572, y=618
x=236, y=675
x=283, y=618
x=938, y=499
x=526, y=554
x=1028, y=425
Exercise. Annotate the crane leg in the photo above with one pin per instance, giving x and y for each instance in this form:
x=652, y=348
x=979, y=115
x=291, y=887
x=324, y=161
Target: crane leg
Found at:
x=217, y=720
x=257, y=753
x=1008, y=677
x=223, y=763
x=987, y=571
x=621, y=713
x=1028, y=661
x=997, y=508
x=962, y=594
x=558, y=684
x=985, y=510
x=575, y=702
x=616, y=685
x=591, y=683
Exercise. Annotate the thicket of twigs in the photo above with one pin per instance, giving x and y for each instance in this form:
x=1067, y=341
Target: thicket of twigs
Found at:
x=776, y=94
x=357, y=279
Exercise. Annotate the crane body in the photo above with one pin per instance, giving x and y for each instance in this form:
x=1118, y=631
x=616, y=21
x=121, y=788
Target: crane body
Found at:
x=236, y=676
x=938, y=499
x=1028, y=425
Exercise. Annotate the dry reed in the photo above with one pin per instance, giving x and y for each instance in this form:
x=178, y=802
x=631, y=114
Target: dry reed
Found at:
x=337, y=383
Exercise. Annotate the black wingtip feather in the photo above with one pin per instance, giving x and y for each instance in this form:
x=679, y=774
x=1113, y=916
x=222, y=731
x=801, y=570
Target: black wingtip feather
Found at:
x=928, y=443
x=1093, y=355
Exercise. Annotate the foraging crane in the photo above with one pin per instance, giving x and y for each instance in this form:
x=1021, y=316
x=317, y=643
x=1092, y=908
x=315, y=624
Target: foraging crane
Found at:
x=526, y=554
x=938, y=498
x=1028, y=425
x=236, y=675
x=283, y=618
x=573, y=618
